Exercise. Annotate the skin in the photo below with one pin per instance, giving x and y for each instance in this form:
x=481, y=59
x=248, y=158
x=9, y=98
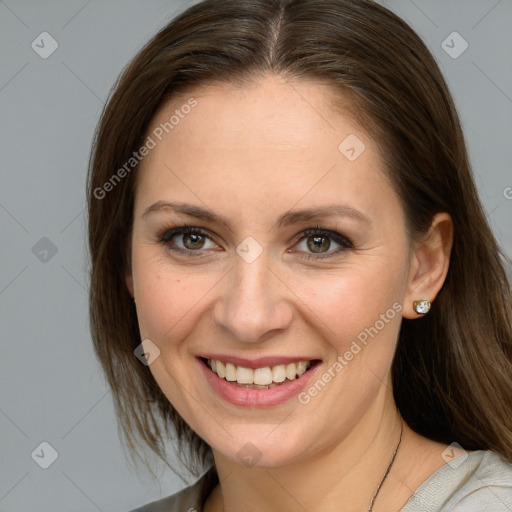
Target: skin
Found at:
x=251, y=154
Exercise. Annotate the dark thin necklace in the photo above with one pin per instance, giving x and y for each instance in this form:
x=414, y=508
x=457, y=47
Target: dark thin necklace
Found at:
x=370, y=506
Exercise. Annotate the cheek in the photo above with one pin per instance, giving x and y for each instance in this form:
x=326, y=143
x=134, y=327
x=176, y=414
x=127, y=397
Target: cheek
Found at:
x=357, y=315
x=167, y=298
x=169, y=303
x=348, y=302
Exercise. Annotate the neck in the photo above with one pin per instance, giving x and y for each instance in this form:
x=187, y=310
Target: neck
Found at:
x=348, y=472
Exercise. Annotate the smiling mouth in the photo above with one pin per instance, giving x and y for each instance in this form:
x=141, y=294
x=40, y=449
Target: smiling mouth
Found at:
x=267, y=377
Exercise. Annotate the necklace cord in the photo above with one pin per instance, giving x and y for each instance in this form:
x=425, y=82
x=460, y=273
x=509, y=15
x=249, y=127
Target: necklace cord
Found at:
x=370, y=506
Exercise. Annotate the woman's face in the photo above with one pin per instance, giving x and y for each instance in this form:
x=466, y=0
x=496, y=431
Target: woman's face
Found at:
x=250, y=286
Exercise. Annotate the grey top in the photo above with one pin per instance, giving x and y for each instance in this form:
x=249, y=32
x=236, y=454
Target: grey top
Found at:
x=479, y=481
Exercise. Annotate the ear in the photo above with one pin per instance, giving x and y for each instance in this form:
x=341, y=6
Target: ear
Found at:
x=429, y=263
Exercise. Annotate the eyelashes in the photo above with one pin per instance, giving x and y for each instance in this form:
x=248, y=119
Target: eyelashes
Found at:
x=195, y=235
x=313, y=239
x=317, y=236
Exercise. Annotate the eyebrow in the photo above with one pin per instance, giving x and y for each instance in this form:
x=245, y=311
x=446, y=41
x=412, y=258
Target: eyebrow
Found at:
x=288, y=218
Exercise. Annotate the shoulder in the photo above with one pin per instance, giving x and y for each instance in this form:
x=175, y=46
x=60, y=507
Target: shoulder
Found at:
x=479, y=480
x=190, y=499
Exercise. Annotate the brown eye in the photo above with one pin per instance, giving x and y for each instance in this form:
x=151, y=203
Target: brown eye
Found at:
x=187, y=240
x=193, y=241
x=318, y=243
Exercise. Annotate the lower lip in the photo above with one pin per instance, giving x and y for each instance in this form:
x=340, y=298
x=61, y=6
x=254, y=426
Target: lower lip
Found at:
x=248, y=397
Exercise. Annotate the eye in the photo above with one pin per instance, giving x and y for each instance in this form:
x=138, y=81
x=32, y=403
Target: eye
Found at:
x=314, y=243
x=187, y=240
x=318, y=242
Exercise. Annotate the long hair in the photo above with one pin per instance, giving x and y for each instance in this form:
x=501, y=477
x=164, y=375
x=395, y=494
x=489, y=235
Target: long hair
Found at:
x=452, y=371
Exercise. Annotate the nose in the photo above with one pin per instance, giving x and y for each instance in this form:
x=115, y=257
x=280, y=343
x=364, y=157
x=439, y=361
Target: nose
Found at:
x=254, y=302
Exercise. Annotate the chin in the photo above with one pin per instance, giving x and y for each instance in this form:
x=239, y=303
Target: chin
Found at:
x=256, y=448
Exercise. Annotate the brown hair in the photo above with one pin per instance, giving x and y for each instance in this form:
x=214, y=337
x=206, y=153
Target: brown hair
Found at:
x=452, y=371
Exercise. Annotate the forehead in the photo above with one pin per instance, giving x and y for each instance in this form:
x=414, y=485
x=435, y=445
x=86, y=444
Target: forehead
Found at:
x=271, y=142
x=270, y=112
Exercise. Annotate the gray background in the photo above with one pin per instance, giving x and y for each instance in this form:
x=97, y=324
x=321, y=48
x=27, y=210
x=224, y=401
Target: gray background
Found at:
x=51, y=388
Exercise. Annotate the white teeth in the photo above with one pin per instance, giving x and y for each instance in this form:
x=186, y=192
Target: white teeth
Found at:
x=263, y=376
x=291, y=371
x=230, y=372
x=259, y=376
x=302, y=366
x=279, y=373
x=244, y=375
x=221, y=369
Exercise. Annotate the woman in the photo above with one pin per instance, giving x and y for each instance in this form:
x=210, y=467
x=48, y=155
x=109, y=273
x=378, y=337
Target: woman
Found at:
x=292, y=274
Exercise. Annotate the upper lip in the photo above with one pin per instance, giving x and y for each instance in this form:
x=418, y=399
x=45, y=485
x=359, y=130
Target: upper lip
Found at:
x=259, y=362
